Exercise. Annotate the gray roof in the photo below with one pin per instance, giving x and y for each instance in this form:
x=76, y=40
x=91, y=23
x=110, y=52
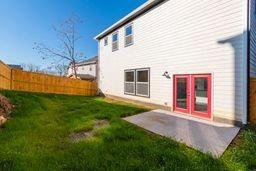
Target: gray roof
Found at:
x=137, y=12
x=94, y=59
x=87, y=61
x=15, y=66
x=84, y=76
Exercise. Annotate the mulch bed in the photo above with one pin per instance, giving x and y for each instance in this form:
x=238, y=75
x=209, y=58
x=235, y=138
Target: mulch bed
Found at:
x=5, y=109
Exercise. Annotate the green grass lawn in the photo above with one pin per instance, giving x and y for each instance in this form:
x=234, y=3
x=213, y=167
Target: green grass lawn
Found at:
x=37, y=137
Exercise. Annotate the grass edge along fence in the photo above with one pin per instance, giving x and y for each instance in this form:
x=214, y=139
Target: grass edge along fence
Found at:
x=15, y=79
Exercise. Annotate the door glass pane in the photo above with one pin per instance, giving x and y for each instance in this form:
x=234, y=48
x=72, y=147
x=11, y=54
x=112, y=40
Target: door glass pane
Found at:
x=182, y=93
x=201, y=99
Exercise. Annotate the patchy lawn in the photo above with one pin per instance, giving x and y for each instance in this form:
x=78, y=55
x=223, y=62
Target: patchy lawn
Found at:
x=40, y=136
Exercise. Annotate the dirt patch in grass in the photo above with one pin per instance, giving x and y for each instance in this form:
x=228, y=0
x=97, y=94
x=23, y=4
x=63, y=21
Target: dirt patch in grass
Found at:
x=238, y=140
x=76, y=137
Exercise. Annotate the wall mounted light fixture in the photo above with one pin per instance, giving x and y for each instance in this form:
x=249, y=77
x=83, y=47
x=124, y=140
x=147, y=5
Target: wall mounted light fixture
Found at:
x=166, y=74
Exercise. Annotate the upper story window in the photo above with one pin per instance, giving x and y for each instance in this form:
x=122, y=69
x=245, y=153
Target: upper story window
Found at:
x=105, y=41
x=128, y=35
x=115, y=41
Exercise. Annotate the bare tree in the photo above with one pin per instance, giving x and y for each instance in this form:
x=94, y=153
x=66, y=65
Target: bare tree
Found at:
x=61, y=69
x=68, y=36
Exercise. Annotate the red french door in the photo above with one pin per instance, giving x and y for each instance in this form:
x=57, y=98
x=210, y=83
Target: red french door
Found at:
x=192, y=94
x=201, y=95
x=182, y=93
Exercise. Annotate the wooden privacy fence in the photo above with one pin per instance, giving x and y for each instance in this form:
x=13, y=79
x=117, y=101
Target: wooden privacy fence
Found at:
x=253, y=100
x=14, y=79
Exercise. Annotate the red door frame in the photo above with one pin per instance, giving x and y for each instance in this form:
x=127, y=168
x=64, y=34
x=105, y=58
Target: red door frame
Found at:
x=209, y=95
x=191, y=94
x=176, y=108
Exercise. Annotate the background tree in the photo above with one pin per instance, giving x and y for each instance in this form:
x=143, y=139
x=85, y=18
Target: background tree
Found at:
x=61, y=69
x=38, y=69
x=68, y=37
x=31, y=67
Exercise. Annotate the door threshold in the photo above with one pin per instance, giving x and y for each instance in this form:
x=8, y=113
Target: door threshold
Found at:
x=188, y=117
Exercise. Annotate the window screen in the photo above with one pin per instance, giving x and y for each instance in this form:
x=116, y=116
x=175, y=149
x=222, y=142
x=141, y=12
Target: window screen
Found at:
x=129, y=85
x=142, y=82
x=129, y=76
x=137, y=82
x=142, y=76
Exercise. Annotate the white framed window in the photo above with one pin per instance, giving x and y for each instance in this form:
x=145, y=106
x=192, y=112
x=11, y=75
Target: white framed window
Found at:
x=137, y=82
x=129, y=82
x=128, y=35
x=115, y=41
x=142, y=82
x=105, y=41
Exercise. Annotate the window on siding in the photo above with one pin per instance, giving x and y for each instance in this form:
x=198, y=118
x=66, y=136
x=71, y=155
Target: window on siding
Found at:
x=137, y=82
x=142, y=82
x=106, y=41
x=115, y=41
x=129, y=35
x=129, y=83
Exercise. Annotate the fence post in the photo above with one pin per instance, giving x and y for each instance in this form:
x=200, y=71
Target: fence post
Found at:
x=11, y=80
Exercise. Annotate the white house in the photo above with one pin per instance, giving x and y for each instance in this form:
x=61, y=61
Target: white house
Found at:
x=193, y=57
x=86, y=70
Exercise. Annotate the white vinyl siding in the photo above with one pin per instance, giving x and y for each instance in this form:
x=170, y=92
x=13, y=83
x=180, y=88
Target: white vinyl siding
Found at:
x=253, y=38
x=184, y=37
x=85, y=69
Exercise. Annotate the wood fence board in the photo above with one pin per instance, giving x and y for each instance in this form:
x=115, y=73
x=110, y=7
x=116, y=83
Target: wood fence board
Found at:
x=253, y=100
x=5, y=76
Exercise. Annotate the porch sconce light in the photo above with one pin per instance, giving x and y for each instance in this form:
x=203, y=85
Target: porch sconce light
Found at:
x=166, y=74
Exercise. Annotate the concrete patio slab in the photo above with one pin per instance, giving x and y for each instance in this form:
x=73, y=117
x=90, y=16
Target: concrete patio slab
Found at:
x=206, y=136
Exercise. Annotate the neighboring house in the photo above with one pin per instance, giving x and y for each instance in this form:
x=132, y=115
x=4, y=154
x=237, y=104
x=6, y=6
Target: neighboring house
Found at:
x=190, y=56
x=15, y=66
x=86, y=70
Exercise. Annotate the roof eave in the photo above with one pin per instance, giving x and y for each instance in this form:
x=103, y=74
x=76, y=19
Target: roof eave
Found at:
x=140, y=10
